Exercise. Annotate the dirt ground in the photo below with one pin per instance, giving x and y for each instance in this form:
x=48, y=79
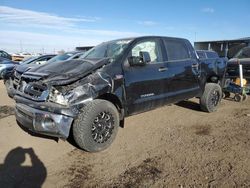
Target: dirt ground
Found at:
x=173, y=146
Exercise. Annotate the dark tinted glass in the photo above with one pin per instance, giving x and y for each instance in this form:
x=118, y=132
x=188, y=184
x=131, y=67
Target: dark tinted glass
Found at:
x=212, y=55
x=61, y=57
x=3, y=54
x=201, y=54
x=176, y=50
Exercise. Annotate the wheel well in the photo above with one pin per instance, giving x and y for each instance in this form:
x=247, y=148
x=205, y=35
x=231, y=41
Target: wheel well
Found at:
x=111, y=98
x=116, y=101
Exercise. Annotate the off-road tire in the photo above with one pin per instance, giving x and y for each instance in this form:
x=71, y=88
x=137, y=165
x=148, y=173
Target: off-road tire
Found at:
x=83, y=125
x=211, y=97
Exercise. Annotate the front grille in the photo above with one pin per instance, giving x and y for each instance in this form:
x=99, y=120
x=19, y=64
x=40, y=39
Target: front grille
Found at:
x=36, y=90
x=17, y=79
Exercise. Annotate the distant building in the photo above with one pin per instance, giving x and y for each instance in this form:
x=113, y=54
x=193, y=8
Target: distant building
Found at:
x=225, y=48
x=84, y=48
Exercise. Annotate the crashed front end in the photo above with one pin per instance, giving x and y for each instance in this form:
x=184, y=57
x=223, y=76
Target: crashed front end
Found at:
x=49, y=106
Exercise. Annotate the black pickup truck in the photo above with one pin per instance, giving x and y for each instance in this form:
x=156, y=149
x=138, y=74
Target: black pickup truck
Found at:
x=92, y=96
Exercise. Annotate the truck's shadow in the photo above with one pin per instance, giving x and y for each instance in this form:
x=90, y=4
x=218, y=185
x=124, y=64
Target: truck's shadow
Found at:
x=189, y=105
x=14, y=174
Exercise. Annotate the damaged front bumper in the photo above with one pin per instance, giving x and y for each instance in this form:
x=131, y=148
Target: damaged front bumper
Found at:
x=43, y=122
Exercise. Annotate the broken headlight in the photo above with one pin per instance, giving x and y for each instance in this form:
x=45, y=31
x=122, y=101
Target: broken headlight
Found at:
x=57, y=97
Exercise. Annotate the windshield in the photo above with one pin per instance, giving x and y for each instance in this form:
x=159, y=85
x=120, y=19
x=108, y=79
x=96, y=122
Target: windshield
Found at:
x=61, y=57
x=28, y=60
x=110, y=49
x=243, y=53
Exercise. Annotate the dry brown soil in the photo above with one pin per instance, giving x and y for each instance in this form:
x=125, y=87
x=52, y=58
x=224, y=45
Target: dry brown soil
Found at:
x=173, y=146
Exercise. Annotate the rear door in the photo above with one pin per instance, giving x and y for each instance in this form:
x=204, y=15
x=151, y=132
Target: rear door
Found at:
x=146, y=85
x=184, y=70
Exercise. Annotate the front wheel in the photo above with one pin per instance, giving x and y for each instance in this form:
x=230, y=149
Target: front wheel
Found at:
x=96, y=126
x=211, y=97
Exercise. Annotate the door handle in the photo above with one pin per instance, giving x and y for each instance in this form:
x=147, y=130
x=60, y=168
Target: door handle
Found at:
x=162, y=69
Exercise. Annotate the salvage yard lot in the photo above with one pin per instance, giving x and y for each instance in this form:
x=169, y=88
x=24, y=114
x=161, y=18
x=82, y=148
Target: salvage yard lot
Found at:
x=173, y=146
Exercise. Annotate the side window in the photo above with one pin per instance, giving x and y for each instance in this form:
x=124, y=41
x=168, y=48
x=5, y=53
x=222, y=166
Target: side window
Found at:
x=5, y=54
x=176, y=50
x=151, y=46
x=2, y=54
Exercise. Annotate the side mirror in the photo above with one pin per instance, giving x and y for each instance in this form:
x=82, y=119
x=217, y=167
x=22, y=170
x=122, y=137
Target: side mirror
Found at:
x=145, y=57
x=139, y=60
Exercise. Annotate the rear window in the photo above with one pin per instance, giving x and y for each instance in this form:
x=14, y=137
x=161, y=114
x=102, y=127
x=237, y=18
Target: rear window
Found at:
x=61, y=57
x=212, y=55
x=243, y=53
x=176, y=50
x=201, y=54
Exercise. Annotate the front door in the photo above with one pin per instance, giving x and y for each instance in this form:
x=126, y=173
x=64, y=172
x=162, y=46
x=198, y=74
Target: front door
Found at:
x=147, y=84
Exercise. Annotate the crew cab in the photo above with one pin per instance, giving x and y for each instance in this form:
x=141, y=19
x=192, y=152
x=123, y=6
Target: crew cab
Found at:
x=116, y=79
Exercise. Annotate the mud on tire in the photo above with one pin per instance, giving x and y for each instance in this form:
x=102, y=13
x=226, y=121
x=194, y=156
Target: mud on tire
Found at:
x=96, y=126
x=211, y=97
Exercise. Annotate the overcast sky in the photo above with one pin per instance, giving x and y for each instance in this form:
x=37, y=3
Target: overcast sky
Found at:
x=37, y=26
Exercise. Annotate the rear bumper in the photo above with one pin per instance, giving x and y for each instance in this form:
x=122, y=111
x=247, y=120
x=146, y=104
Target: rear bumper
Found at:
x=43, y=122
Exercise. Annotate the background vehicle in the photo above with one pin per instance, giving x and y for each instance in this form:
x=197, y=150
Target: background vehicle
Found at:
x=5, y=66
x=5, y=55
x=116, y=79
x=207, y=54
x=20, y=56
x=242, y=57
x=27, y=66
x=9, y=77
x=212, y=59
x=29, y=62
x=77, y=55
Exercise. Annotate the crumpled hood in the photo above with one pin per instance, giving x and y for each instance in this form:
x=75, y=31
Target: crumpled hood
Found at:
x=64, y=72
x=25, y=67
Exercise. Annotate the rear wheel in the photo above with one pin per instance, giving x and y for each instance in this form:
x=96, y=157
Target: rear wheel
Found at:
x=96, y=126
x=211, y=97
